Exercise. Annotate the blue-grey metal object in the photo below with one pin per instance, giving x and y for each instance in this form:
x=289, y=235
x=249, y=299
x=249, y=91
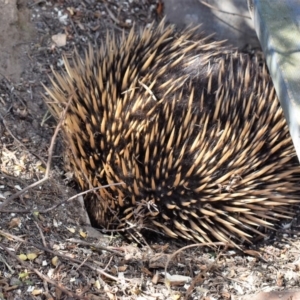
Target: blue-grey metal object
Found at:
x=277, y=24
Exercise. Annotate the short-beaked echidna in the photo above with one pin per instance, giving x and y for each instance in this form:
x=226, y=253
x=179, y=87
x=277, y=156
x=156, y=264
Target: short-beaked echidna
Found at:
x=193, y=130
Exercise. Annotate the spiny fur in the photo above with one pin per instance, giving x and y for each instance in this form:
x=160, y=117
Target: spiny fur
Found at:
x=192, y=130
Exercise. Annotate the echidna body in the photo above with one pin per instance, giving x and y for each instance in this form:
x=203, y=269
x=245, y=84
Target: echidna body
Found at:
x=194, y=133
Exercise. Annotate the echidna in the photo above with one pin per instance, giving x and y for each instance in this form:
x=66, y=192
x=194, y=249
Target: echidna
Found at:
x=193, y=131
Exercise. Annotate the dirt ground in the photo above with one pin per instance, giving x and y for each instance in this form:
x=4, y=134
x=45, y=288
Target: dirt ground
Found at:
x=45, y=251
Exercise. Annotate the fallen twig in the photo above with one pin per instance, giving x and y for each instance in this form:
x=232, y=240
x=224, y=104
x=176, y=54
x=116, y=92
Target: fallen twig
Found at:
x=97, y=247
x=65, y=257
x=48, y=165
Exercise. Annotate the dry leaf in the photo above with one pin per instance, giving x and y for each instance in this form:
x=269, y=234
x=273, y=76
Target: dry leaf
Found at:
x=17, y=187
x=82, y=233
x=36, y=292
x=15, y=222
x=81, y=26
x=176, y=296
x=72, y=230
x=41, y=169
x=110, y=296
x=71, y=10
x=175, y=280
x=146, y=271
x=97, y=284
x=23, y=256
x=122, y=268
x=32, y=256
x=54, y=261
x=60, y=39
x=155, y=278
x=23, y=275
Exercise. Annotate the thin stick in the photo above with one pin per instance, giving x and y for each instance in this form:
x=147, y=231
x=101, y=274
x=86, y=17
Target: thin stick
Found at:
x=78, y=195
x=48, y=165
x=26, y=211
x=188, y=247
x=97, y=247
x=65, y=257
x=41, y=233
